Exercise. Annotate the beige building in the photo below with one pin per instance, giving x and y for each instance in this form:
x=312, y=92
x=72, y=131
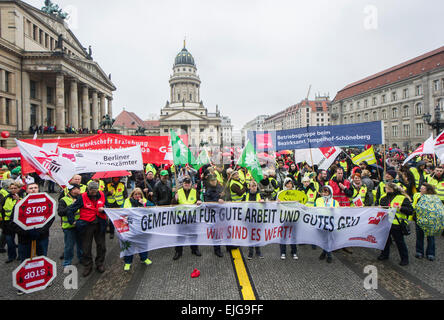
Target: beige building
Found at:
x=399, y=96
x=313, y=113
x=186, y=113
x=47, y=78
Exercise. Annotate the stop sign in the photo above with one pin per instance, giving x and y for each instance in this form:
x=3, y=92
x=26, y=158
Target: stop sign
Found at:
x=35, y=211
x=34, y=274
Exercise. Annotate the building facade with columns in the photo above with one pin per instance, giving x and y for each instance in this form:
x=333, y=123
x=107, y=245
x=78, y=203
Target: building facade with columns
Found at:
x=47, y=78
x=399, y=96
x=185, y=113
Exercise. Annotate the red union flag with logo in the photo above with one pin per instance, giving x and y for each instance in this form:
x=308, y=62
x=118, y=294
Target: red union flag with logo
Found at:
x=322, y=157
x=427, y=148
x=439, y=146
x=49, y=165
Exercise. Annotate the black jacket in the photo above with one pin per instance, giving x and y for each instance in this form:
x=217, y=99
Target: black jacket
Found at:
x=214, y=194
x=162, y=194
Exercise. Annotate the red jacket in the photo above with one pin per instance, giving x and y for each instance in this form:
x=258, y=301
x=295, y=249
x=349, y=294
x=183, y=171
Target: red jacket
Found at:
x=342, y=196
x=90, y=209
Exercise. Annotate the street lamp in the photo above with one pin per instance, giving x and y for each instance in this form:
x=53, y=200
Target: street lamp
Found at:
x=436, y=124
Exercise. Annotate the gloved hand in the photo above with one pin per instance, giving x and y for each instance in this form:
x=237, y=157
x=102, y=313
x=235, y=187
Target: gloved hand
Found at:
x=33, y=234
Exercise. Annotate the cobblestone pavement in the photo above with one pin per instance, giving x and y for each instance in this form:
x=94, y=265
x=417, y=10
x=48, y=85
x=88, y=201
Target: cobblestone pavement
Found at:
x=272, y=279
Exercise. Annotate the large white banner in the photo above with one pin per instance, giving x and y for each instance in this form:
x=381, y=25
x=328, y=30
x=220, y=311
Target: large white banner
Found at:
x=250, y=224
x=48, y=165
x=104, y=160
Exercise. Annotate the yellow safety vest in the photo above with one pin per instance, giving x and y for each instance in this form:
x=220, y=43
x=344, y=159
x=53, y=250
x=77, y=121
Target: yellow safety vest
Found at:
x=362, y=193
x=311, y=198
x=118, y=194
x=4, y=175
x=234, y=196
x=101, y=185
x=320, y=203
x=4, y=193
x=192, y=197
x=245, y=178
x=276, y=190
x=8, y=208
x=219, y=177
x=65, y=224
x=439, y=186
x=127, y=203
x=382, y=193
x=258, y=197
x=398, y=200
x=415, y=173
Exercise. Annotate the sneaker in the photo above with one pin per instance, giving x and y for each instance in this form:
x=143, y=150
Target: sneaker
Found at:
x=111, y=236
x=20, y=293
x=147, y=262
x=295, y=257
x=127, y=267
x=2, y=250
x=323, y=256
x=283, y=257
x=261, y=256
x=250, y=257
x=329, y=259
x=419, y=256
x=431, y=258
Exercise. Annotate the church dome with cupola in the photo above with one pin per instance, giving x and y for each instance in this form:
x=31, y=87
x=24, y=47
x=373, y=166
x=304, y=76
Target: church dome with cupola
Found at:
x=184, y=58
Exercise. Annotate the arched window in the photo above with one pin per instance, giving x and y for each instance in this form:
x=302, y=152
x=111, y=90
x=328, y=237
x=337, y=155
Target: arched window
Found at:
x=406, y=111
x=395, y=112
x=419, y=110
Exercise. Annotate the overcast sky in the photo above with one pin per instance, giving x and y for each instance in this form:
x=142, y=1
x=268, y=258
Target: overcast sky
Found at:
x=253, y=56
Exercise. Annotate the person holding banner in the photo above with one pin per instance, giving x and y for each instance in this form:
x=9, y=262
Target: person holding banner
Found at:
x=7, y=212
x=41, y=235
x=288, y=185
x=253, y=195
x=71, y=236
x=237, y=188
x=90, y=225
x=162, y=192
x=101, y=183
x=136, y=200
x=310, y=191
x=397, y=198
x=361, y=194
x=214, y=193
x=390, y=177
x=341, y=188
x=115, y=194
x=326, y=200
x=186, y=196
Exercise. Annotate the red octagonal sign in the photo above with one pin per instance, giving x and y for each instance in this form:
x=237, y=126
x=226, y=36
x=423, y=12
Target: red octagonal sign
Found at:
x=34, y=274
x=35, y=211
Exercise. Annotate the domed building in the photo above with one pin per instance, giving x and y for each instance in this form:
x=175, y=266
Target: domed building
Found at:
x=185, y=112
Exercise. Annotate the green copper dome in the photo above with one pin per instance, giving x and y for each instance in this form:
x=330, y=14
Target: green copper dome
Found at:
x=184, y=57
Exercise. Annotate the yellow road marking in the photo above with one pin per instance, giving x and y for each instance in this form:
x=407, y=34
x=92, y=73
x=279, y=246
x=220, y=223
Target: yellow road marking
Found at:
x=242, y=275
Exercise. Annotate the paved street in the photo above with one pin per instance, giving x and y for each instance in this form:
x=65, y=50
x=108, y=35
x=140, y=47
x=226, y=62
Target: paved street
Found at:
x=270, y=278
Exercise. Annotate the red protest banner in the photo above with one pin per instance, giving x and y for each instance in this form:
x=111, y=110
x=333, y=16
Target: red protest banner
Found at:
x=154, y=149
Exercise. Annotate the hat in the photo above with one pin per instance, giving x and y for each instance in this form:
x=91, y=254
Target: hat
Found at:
x=306, y=179
x=73, y=186
x=164, y=173
x=187, y=180
x=93, y=186
x=393, y=173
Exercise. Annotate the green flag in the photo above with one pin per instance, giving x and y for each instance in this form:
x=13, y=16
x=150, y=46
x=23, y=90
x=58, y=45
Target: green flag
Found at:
x=181, y=154
x=250, y=161
x=202, y=160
